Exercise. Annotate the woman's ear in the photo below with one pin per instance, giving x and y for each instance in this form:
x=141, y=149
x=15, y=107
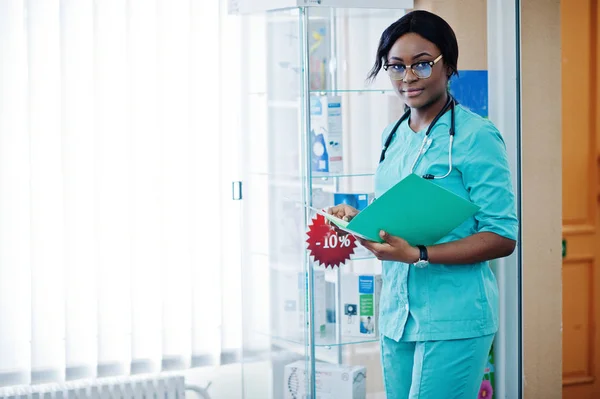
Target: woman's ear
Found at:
x=449, y=72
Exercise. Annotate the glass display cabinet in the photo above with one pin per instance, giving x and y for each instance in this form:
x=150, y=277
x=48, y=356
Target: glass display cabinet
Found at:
x=312, y=127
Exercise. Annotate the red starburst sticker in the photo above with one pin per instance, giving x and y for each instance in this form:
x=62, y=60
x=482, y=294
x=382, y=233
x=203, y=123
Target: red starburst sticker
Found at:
x=326, y=246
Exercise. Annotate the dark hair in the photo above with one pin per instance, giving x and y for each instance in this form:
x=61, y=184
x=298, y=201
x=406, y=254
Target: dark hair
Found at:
x=426, y=24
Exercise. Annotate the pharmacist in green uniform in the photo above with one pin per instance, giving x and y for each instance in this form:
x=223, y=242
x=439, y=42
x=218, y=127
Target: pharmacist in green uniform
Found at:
x=439, y=304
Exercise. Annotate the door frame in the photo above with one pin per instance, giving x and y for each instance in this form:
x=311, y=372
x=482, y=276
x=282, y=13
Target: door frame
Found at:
x=503, y=39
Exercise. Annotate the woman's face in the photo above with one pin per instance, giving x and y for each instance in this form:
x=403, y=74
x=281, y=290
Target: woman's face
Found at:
x=409, y=49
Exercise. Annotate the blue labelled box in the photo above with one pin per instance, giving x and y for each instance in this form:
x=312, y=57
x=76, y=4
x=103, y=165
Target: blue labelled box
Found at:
x=356, y=200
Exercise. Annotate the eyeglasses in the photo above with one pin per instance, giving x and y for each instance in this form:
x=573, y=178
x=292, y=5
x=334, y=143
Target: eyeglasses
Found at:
x=421, y=69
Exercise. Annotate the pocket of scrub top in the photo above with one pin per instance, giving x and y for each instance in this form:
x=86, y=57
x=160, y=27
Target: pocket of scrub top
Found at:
x=455, y=293
x=434, y=157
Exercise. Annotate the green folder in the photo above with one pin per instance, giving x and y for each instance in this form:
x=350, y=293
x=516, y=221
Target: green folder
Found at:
x=415, y=209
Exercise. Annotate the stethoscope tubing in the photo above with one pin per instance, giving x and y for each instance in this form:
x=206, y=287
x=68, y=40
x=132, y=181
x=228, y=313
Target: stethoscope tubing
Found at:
x=450, y=104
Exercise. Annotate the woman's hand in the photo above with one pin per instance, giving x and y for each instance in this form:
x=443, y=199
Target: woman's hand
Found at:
x=344, y=212
x=394, y=249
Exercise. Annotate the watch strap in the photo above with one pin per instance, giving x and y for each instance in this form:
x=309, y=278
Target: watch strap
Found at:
x=423, y=255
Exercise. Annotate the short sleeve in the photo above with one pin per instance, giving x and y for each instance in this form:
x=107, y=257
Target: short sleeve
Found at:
x=487, y=177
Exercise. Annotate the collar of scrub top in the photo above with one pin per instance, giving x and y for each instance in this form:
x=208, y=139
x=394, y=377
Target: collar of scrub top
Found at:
x=450, y=104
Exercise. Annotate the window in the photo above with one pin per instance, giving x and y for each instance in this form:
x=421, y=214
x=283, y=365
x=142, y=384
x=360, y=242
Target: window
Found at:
x=117, y=227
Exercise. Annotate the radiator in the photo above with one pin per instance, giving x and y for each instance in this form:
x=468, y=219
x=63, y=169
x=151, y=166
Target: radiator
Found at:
x=130, y=387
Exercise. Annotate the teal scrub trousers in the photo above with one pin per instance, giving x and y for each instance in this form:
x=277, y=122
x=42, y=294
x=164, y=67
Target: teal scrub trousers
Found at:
x=450, y=369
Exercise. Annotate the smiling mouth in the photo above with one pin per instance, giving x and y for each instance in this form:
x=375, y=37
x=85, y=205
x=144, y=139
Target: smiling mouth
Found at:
x=412, y=92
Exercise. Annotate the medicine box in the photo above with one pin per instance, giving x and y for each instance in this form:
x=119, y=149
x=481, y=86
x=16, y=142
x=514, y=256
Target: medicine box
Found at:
x=332, y=381
x=356, y=200
x=326, y=134
x=359, y=313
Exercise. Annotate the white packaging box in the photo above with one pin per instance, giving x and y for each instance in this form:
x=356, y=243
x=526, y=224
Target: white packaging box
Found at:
x=359, y=313
x=326, y=134
x=293, y=291
x=332, y=381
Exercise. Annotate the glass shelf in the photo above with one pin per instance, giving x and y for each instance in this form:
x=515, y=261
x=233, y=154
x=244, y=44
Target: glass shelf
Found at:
x=291, y=103
x=326, y=341
x=342, y=175
x=352, y=91
x=362, y=257
x=282, y=176
x=353, y=257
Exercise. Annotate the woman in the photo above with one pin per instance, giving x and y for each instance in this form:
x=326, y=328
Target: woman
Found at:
x=439, y=304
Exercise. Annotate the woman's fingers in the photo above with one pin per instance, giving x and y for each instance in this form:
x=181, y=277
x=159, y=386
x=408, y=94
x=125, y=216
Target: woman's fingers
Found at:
x=343, y=211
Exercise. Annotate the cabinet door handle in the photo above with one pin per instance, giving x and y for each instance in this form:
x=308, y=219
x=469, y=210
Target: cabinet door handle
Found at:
x=236, y=190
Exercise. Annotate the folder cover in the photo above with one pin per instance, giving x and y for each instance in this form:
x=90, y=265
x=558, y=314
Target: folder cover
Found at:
x=415, y=209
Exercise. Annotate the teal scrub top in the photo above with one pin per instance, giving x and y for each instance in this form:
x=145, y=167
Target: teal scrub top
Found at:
x=442, y=302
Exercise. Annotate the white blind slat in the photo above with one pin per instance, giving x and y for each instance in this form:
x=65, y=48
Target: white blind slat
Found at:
x=206, y=147
x=47, y=216
x=77, y=51
x=112, y=147
x=15, y=222
x=174, y=114
x=147, y=292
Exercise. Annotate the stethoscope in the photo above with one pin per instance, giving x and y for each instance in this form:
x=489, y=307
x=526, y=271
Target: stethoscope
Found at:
x=450, y=104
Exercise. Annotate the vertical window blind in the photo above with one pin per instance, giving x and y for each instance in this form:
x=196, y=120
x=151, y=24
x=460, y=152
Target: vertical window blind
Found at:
x=115, y=182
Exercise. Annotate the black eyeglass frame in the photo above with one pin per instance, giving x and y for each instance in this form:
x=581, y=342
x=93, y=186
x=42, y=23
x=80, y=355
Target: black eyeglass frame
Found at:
x=430, y=63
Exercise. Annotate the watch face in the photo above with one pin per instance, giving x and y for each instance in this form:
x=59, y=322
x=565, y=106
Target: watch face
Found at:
x=421, y=263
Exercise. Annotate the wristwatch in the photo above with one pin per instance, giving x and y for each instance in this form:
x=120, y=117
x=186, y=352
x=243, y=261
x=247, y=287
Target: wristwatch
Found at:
x=423, y=257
